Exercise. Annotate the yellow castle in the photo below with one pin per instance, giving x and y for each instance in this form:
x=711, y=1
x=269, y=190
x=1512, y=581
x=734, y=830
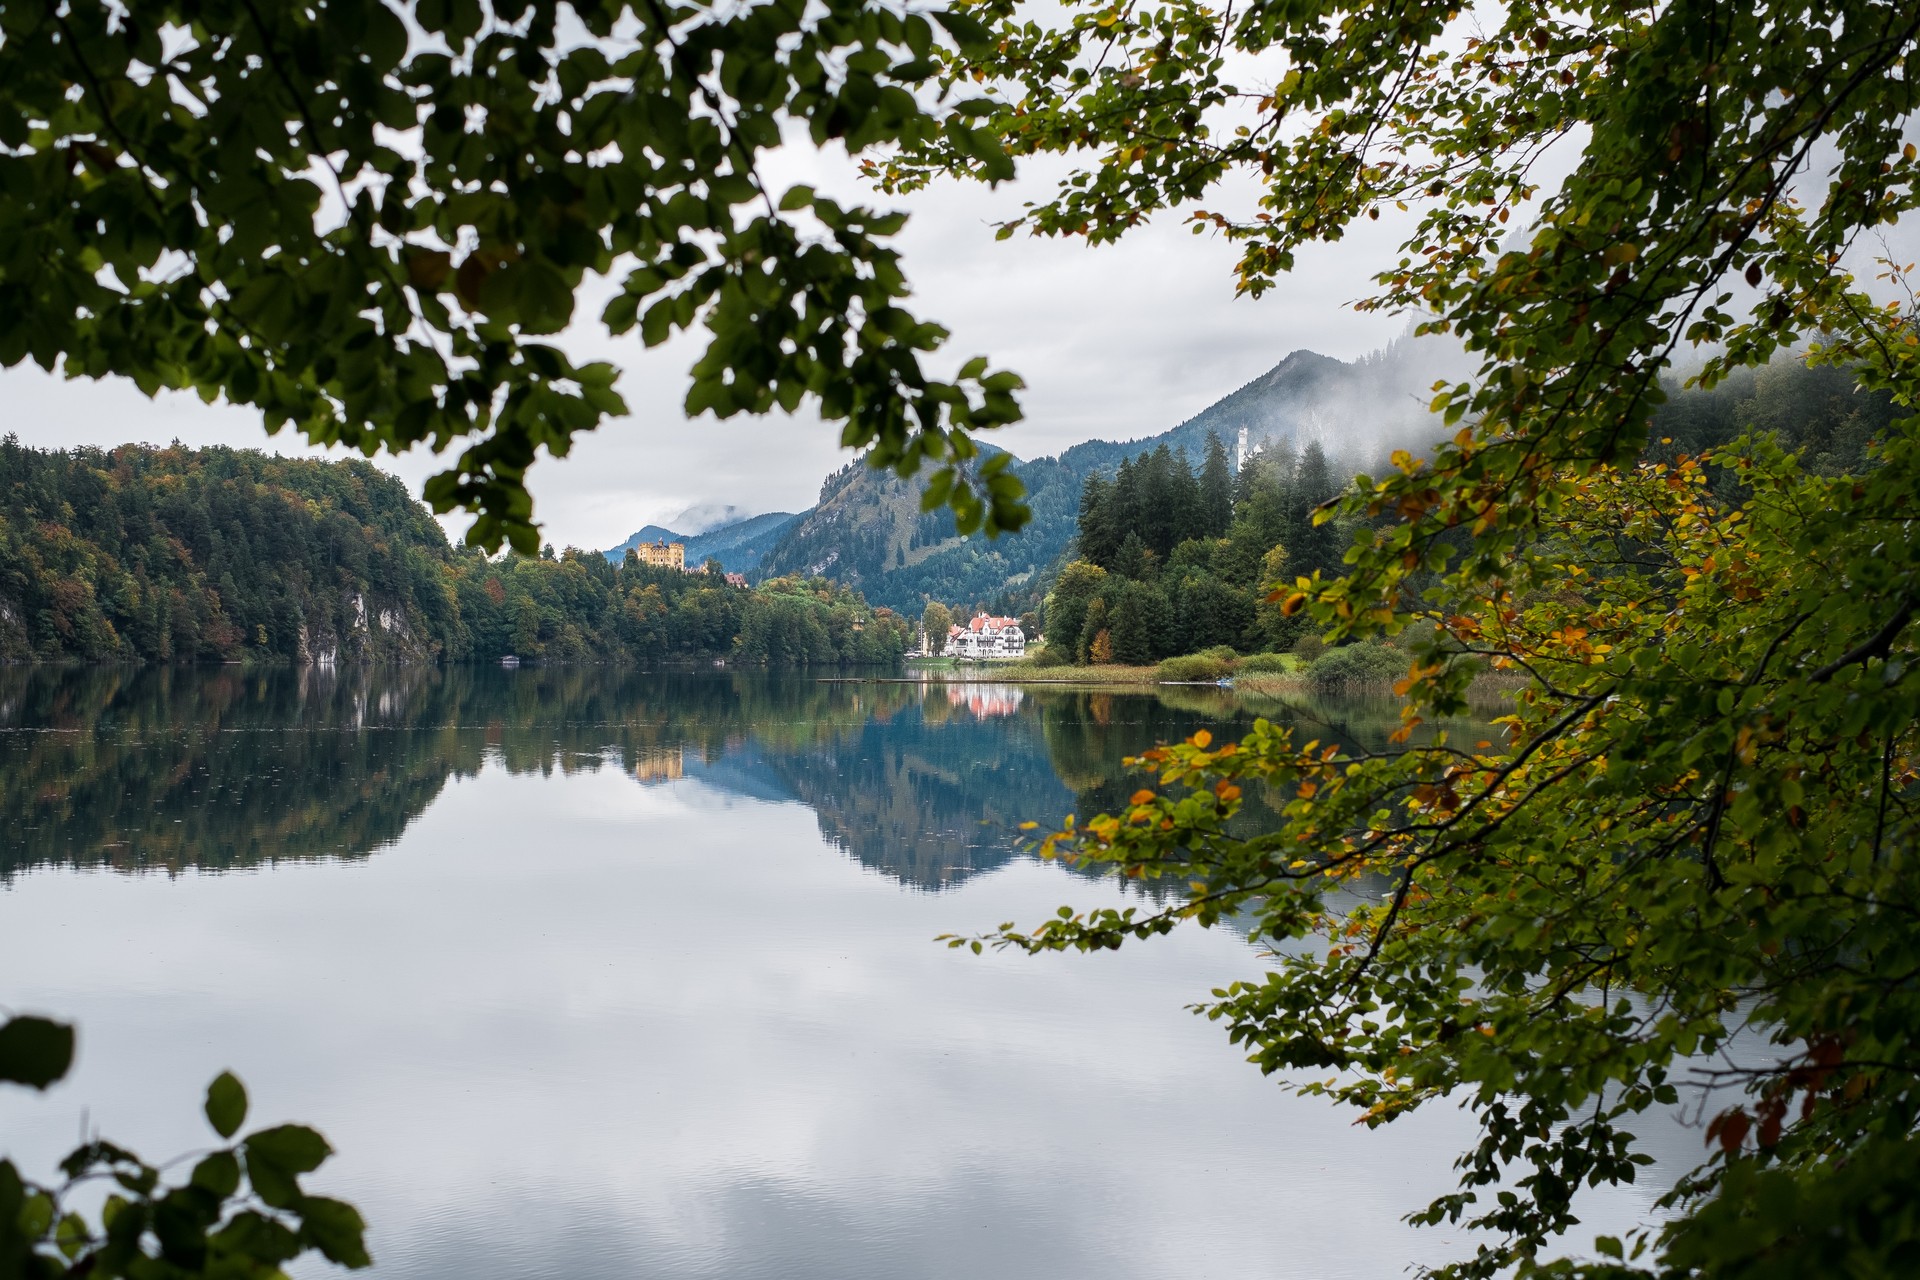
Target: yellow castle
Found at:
x=662, y=555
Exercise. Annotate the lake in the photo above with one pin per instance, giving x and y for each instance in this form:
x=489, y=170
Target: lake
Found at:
x=592, y=973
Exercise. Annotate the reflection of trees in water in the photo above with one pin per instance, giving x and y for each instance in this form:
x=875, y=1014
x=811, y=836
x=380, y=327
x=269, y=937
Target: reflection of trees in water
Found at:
x=172, y=768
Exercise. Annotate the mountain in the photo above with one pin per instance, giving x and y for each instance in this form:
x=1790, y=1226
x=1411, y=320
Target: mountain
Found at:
x=741, y=545
x=868, y=531
x=1355, y=409
x=738, y=545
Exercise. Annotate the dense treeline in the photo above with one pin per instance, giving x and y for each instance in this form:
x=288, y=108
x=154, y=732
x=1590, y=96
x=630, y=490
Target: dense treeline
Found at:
x=1818, y=413
x=230, y=555
x=1171, y=560
x=214, y=554
x=577, y=607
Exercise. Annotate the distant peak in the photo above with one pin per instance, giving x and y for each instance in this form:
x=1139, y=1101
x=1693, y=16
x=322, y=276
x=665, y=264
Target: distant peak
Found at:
x=703, y=516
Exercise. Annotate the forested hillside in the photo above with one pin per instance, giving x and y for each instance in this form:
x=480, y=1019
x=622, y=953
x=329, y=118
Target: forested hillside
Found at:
x=215, y=554
x=1171, y=560
x=140, y=554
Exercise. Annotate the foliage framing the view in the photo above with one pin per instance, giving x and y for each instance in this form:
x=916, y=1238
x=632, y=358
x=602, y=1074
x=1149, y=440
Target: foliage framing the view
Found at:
x=1698, y=822
x=1688, y=857
x=359, y=219
x=241, y=1213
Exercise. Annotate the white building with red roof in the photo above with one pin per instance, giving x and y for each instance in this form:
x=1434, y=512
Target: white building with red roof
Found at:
x=988, y=637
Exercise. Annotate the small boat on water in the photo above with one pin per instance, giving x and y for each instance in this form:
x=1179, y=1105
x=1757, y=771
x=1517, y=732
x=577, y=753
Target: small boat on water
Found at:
x=511, y=660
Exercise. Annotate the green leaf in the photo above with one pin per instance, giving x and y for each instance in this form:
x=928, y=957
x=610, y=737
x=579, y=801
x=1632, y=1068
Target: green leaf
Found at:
x=290, y=1148
x=255, y=1236
x=35, y=1051
x=969, y=33
x=336, y=1229
x=218, y=1173
x=226, y=1104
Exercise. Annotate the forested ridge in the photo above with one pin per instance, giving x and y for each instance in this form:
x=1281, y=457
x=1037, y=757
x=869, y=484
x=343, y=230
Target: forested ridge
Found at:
x=1170, y=559
x=222, y=555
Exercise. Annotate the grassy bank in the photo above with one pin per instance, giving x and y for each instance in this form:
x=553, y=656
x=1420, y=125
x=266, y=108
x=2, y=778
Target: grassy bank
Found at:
x=1275, y=675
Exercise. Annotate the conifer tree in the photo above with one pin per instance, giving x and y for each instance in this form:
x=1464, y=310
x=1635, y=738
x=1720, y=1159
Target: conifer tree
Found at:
x=1132, y=645
x=1157, y=620
x=1135, y=560
x=1128, y=498
x=1185, y=505
x=1316, y=546
x=1216, y=489
x=1148, y=514
x=1100, y=529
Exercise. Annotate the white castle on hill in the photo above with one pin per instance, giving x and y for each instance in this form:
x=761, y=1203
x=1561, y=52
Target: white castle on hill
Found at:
x=988, y=637
x=1309, y=429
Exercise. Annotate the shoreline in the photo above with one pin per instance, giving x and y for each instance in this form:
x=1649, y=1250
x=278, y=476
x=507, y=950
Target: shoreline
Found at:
x=1114, y=676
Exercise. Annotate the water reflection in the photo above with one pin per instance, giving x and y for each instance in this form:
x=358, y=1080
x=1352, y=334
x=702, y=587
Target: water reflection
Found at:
x=170, y=769
x=601, y=975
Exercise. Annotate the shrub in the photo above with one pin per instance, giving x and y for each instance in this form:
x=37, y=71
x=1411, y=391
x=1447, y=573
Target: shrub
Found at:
x=1195, y=666
x=1224, y=652
x=1052, y=655
x=1266, y=663
x=1309, y=647
x=1366, y=663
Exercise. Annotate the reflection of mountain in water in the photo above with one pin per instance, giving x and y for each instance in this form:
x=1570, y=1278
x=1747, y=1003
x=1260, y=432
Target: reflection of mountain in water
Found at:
x=173, y=768
x=927, y=799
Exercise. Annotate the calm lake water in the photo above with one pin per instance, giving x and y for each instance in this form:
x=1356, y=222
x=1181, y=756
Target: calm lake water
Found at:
x=602, y=974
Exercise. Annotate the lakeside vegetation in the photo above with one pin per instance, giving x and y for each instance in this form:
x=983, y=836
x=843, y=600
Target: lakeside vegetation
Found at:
x=1170, y=561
